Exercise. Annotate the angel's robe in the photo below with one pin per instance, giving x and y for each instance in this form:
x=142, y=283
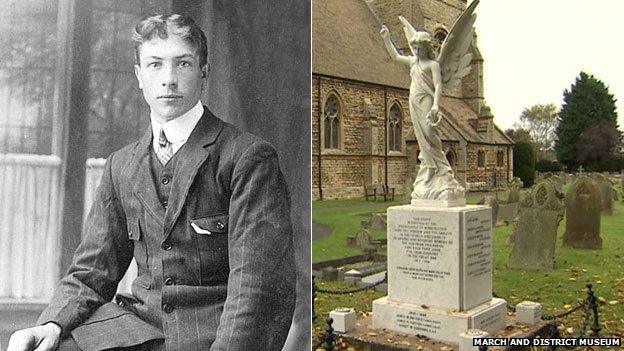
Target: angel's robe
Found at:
x=421, y=95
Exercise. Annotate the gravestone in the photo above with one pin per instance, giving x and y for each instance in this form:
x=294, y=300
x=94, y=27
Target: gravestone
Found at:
x=439, y=273
x=605, y=189
x=536, y=231
x=362, y=238
x=492, y=202
x=511, y=239
x=583, y=220
x=507, y=212
x=378, y=221
x=514, y=193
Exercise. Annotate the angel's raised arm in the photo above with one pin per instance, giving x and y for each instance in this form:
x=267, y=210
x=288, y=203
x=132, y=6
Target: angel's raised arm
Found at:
x=394, y=53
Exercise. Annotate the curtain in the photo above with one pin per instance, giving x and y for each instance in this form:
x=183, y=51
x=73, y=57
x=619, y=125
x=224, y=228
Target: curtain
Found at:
x=29, y=213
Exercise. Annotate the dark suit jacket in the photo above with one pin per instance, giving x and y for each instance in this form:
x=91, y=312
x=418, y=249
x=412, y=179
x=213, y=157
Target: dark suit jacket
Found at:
x=231, y=289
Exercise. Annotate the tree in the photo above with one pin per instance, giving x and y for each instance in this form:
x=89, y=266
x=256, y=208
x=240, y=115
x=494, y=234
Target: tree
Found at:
x=587, y=102
x=598, y=144
x=541, y=122
x=519, y=134
x=524, y=163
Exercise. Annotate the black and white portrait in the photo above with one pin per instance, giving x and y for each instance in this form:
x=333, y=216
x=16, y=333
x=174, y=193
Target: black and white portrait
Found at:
x=155, y=163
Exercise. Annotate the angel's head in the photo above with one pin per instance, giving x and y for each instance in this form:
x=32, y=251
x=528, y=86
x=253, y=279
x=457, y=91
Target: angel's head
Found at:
x=420, y=45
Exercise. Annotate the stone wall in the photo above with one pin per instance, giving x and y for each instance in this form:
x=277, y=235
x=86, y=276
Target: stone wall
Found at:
x=360, y=159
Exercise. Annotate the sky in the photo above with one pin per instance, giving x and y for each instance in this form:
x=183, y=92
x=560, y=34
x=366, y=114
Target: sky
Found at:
x=534, y=49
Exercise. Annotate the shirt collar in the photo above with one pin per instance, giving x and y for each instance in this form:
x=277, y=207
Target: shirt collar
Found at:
x=178, y=129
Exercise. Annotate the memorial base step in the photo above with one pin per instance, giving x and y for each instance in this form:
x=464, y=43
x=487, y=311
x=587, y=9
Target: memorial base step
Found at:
x=436, y=323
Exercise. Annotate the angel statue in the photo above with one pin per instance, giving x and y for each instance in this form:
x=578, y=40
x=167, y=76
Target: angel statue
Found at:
x=435, y=180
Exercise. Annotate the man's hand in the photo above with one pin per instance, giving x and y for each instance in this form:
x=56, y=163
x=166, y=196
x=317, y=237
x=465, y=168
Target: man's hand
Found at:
x=40, y=338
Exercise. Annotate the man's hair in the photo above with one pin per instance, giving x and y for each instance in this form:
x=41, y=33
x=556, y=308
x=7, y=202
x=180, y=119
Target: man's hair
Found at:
x=165, y=25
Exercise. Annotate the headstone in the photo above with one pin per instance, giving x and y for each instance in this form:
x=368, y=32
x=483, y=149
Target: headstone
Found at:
x=330, y=273
x=536, y=233
x=507, y=212
x=439, y=273
x=583, y=220
x=362, y=238
x=352, y=277
x=514, y=193
x=378, y=221
x=606, y=193
x=511, y=239
x=344, y=319
x=528, y=312
x=492, y=202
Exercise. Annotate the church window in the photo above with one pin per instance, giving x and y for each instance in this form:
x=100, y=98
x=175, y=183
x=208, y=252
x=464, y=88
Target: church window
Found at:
x=481, y=158
x=331, y=123
x=394, y=128
x=500, y=158
x=450, y=157
x=440, y=34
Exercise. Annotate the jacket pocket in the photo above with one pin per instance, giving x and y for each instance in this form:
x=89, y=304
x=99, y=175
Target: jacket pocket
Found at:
x=140, y=247
x=210, y=233
x=217, y=224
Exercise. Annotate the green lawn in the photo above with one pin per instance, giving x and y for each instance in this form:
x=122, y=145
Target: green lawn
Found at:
x=555, y=289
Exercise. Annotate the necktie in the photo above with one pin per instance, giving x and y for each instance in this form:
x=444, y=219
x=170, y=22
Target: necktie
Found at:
x=164, y=151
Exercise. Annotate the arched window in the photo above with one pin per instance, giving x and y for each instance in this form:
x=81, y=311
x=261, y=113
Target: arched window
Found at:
x=440, y=34
x=331, y=123
x=500, y=158
x=394, y=128
x=450, y=157
x=438, y=38
x=481, y=158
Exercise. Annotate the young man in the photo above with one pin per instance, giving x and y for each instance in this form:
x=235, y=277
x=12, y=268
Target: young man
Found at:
x=204, y=210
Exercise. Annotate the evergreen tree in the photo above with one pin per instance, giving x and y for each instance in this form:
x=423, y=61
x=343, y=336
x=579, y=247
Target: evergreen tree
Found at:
x=524, y=163
x=587, y=102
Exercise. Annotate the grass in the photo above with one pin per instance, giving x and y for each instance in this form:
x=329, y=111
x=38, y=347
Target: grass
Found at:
x=565, y=285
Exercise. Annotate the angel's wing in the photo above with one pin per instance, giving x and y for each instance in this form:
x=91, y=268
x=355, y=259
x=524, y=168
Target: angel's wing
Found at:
x=454, y=57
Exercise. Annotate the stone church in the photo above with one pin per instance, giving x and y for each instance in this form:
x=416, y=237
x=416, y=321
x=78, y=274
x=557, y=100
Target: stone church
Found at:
x=362, y=133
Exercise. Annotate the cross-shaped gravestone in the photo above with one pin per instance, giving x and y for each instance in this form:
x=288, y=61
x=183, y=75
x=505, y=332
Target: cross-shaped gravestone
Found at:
x=581, y=170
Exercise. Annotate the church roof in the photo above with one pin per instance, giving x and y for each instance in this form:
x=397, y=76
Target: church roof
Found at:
x=458, y=114
x=346, y=43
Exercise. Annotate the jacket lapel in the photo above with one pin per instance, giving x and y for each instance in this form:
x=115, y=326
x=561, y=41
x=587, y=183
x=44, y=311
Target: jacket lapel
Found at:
x=192, y=155
x=140, y=172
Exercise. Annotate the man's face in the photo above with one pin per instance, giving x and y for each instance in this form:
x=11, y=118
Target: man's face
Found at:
x=170, y=76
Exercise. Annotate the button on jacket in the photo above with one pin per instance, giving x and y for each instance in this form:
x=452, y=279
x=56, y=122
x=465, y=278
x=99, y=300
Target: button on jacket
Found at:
x=215, y=264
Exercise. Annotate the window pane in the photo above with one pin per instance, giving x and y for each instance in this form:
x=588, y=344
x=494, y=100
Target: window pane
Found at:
x=327, y=132
x=118, y=114
x=27, y=63
x=335, y=131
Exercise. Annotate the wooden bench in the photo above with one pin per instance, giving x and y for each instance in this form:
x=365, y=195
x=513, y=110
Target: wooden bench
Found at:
x=378, y=190
x=387, y=192
x=370, y=190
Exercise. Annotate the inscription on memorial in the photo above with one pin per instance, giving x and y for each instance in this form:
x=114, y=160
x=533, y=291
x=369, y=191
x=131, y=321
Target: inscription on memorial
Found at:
x=418, y=322
x=478, y=247
x=422, y=241
x=489, y=320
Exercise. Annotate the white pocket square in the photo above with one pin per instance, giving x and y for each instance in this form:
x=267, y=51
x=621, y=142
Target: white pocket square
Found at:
x=199, y=230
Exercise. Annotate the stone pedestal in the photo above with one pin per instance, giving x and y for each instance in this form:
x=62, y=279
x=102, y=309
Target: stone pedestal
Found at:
x=439, y=273
x=528, y=312
x=344, y=319
x=465, y=343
